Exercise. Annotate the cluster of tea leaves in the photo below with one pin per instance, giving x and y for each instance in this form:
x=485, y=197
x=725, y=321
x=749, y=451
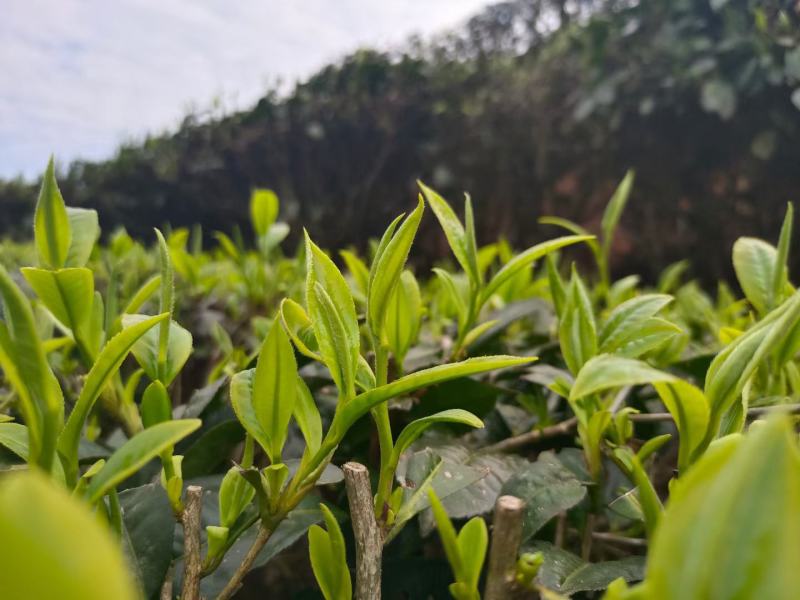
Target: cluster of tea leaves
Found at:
x=636, y=423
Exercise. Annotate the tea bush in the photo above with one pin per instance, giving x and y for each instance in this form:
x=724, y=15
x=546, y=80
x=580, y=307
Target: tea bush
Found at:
x=174, y=417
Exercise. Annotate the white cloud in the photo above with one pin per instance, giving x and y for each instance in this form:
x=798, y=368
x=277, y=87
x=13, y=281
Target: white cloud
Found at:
x=77, y=77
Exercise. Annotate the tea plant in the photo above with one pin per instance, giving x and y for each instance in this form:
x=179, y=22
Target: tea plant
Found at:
x=173, y=417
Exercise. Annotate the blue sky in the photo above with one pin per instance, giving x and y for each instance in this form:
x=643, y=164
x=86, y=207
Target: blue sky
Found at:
x=77, y=77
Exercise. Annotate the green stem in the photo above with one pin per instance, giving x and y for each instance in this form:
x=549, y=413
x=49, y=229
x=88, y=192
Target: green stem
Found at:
x=385, y=441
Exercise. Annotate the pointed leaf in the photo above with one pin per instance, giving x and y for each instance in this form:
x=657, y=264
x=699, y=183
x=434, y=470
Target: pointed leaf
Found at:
x=606, y=372
x=274, y=389
x=389, y=265
x=51, y=226
x=67, y=293
x=137, y=452
x=527, y=258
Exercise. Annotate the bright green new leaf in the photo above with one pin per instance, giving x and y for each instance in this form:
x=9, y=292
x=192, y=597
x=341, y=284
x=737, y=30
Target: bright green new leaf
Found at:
x=577, y=331
x=335, y=343
x=386, y=272
x=136, y=452
x=329, y=558
x=67, y=293
x=333, y=313
x=403, y=316
x=362, y=403
x=780, y=275
x=754, y=261
x=51, y=226
x=606, y=371
x=416, y=428
x=614, y=209
x=235, y=493
x=688, y=405
x=264, y=208
x=455, y=233
x=54, y=547
x=241, y=393
x=626, y=319
x=527, y=258
x=307, y=416
x=731, y=525
x=447, y=533
x=738, y=361
x=274, y=389
x=300, y=328
x=649, y=335
x=25, y=364
x=358, y=271
x=454, y=293
x=146, y=349
x=107, y=364
x=473, y=541
x=14, y=436
x=156, y=406
x=85, y=229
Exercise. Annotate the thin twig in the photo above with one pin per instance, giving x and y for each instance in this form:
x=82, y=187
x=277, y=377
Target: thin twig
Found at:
x=620, y=539
x=166, y=587
x=566, y=427
x=506, y=537
x=369, y=541
x=588, y=536
x=244, y=567
x=192, y=562
x=531, y=437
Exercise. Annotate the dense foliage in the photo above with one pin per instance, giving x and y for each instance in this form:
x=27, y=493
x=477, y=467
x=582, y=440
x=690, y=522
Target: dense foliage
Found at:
x=535, y=107
x=174, y=417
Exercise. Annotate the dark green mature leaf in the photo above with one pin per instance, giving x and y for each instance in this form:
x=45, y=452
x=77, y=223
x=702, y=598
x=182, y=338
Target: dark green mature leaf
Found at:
x=752, y=481
x=426, y=469
x=54, y=547
x=136, y=452
x=479, y=497
x=149, y=532
x=51, y=226
x=547, y=487
x=212, y=449
x=607, y=371
x=566, y=573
